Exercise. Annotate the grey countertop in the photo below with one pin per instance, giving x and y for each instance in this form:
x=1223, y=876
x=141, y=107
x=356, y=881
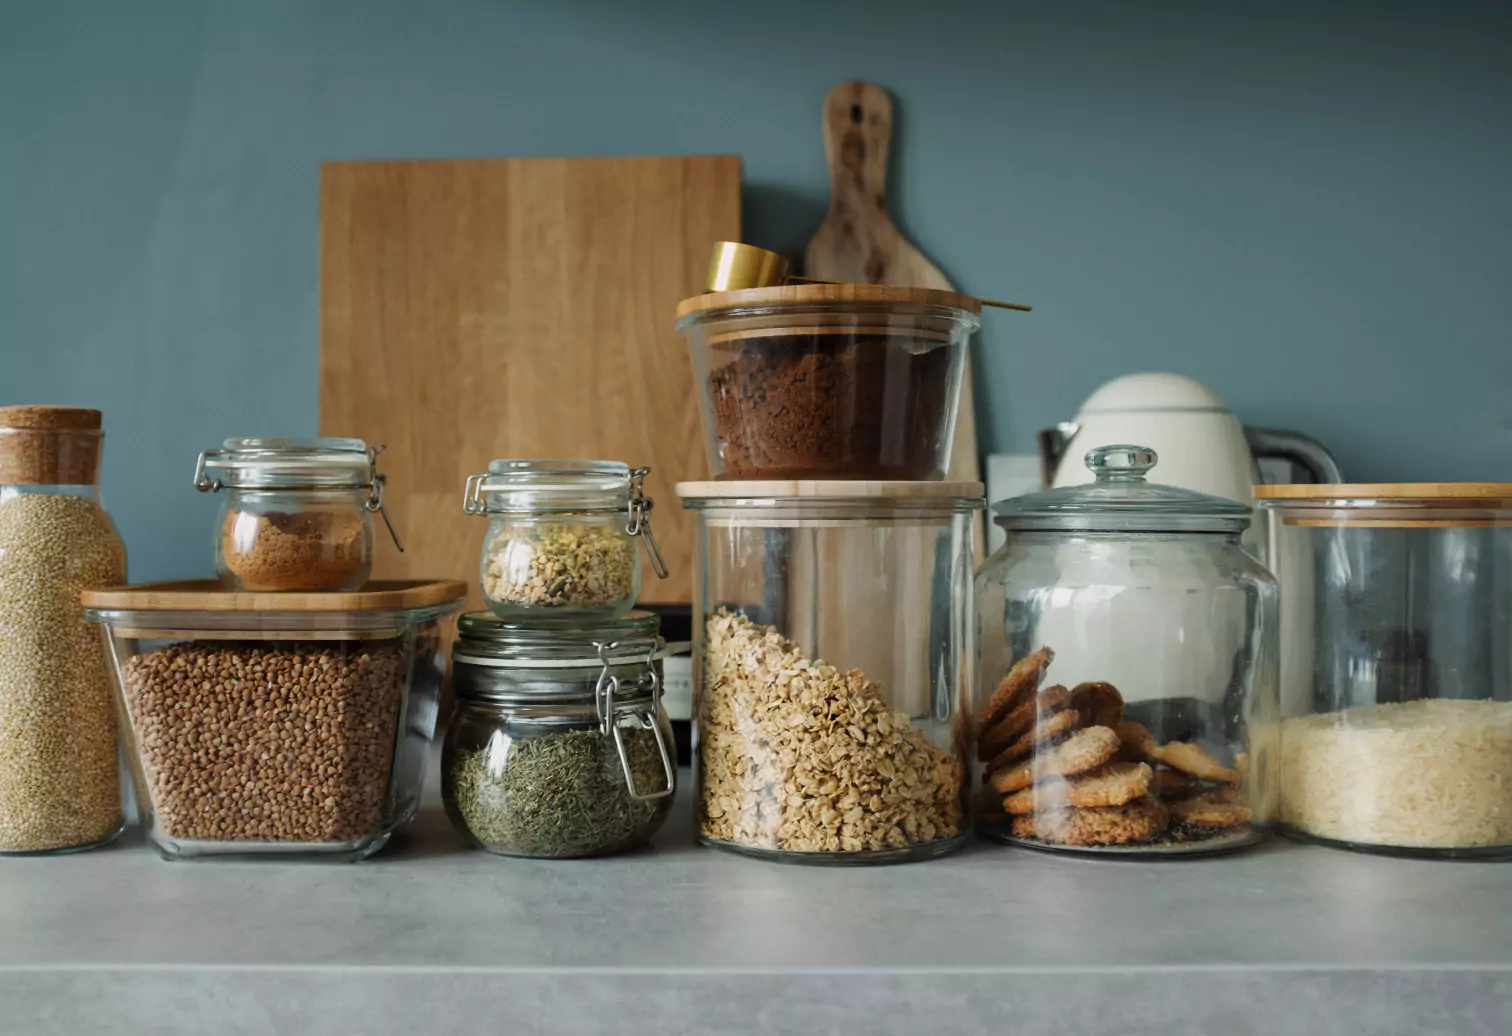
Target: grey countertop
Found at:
x=428, y=937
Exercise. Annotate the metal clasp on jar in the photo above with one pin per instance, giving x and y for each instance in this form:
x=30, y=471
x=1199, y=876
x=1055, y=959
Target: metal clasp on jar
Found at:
x=374, y=502
x=640, y=520
x=375, y=483
x=603, y=703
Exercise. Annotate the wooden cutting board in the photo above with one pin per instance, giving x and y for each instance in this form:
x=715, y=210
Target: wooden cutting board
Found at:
x=490, y=308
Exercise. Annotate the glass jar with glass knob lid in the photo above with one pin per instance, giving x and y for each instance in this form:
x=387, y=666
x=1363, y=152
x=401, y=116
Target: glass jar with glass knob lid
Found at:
x=297, y=513
x=561, y=536
x=1127, y=699
x=559, y=745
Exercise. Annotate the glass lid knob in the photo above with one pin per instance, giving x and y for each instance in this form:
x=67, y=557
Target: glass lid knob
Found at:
x=1120, y=463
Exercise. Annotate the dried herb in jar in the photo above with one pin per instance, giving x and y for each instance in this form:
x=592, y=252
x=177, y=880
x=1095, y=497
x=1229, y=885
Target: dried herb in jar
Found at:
x=559, y=794
x=578, y=566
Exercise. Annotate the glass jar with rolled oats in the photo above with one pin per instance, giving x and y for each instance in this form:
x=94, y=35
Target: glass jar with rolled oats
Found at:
x=561, y=537
x=831, y=667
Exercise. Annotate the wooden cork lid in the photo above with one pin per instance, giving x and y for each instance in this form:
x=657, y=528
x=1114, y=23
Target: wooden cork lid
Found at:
x=49, y=445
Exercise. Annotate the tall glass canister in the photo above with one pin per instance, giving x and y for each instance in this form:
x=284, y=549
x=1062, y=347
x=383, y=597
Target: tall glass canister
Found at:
x=1396, y=700
x=832, y=666
x=59, y=778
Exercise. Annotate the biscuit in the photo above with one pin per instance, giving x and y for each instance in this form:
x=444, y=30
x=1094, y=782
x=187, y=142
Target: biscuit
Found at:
x=1020, y=719
x=1137, y=738
x=1047, y=727
x=1041, y=798
x=1084, y=750
x=1170, y=782
x=1024, y=676
x=1189, y=759
x=1221, y=807
x=1111, y=784
x=1099, y=702
x=1136, y=821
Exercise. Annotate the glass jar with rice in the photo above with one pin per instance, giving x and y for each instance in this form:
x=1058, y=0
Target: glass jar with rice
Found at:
x=1396, y=691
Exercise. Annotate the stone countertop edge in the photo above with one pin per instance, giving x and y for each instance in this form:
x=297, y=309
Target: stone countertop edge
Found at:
x=429, y=936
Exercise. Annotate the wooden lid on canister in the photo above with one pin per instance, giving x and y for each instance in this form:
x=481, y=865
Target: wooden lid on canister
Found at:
x=49, y=445
x=799, y=297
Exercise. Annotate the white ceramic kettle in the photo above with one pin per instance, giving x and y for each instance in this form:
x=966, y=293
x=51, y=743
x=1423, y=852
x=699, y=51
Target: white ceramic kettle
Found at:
x=1202, y=445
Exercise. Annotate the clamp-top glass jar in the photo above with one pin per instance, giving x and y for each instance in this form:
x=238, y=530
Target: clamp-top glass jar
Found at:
x=298, y=513
x=1127, y=699
x=559, y=745
x=561, y=536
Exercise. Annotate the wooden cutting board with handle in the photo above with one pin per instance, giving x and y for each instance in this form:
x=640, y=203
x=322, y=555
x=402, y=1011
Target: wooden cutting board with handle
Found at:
x=488, y=308
x=858, y=242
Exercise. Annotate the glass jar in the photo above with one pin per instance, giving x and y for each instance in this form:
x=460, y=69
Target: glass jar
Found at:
x=831, y=664
x=276, y=725
x=1396, y=695
x=297, y=513
x=558, y=746
x=1127, y=696
x=561, y=536
x=60, y=788
x=858, y=381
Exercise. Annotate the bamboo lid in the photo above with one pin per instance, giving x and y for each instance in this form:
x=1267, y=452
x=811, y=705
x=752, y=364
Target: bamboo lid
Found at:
x=828, y=489
x=799, y=295
x=207, y=595
x=49, y=445
x=1475, y=493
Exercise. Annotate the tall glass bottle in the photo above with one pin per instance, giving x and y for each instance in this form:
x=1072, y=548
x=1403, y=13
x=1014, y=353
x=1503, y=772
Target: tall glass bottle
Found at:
x=59, y=777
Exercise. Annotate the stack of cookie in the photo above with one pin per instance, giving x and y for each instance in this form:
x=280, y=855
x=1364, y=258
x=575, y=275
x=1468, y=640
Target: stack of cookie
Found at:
x=1072, y=771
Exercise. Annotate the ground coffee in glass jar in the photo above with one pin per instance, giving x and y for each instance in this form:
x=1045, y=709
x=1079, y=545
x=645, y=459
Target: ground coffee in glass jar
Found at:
x=831, y=402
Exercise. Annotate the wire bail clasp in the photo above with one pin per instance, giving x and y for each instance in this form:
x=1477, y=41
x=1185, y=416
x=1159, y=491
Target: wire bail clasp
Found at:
x=603, y=703
x=640, y=520
x=376, y=482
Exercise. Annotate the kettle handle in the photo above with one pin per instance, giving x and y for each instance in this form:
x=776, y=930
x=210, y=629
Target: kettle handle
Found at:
x=1300, y=449
x=1052, y=447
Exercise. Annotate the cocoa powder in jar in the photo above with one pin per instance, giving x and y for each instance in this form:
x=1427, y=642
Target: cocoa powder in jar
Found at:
x=255, y=741
x=825, y=405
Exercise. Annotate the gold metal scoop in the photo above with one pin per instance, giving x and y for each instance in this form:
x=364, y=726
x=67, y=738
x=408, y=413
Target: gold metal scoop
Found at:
x=736, y=265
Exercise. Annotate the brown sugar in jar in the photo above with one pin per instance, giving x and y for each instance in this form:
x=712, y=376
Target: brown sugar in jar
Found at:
x=305, y=550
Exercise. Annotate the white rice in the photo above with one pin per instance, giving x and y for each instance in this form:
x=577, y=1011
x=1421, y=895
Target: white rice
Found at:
x=1424, y=774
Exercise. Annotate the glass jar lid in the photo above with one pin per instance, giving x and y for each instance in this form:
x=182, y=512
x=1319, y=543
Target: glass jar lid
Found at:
x=295, y=464
x=484, y=639
x=552, y=487
x=830, y=499
x=259, y=463
x=1121, y=500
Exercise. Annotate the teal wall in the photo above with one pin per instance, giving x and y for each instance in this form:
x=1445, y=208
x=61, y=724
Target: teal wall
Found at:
x=1307, y=206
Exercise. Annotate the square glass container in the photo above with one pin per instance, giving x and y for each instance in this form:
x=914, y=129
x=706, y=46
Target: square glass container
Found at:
x=832, y=381
x=275, y=725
